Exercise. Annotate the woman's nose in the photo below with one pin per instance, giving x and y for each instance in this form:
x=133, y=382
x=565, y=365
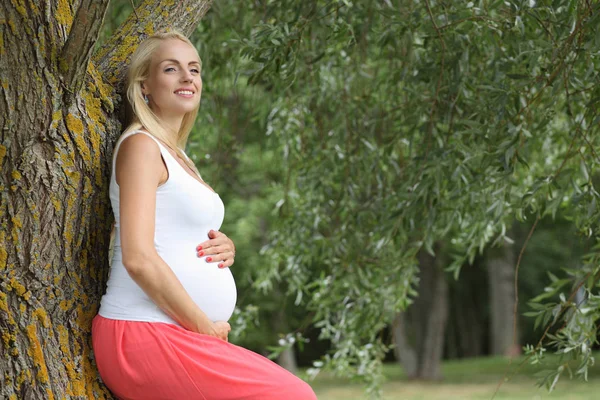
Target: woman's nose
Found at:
x=187, y=76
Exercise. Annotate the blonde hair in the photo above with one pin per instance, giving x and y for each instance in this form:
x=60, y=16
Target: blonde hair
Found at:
x=143, y=116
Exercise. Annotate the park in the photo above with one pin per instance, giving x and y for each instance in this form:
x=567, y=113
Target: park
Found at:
x=410, y=187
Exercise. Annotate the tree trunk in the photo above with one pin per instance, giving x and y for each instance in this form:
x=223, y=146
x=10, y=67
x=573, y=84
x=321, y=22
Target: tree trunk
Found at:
x=468, y=319
x=435, y=289
x=287, y=359
x=58, y=113
x=405, y=352
x=419, y=332
x=501, y=278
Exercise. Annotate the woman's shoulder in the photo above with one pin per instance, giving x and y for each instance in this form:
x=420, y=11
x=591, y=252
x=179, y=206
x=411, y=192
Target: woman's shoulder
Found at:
x=138, y=156
x=140, y=132
x=138, y=143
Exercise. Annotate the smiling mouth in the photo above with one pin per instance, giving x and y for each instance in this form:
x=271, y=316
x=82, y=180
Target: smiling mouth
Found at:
x=185, y=92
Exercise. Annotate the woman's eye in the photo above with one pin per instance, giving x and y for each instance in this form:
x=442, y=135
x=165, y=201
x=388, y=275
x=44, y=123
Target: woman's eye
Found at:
x=170, y=69
x=196, y=71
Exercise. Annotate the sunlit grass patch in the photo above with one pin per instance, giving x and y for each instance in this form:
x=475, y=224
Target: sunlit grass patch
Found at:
x=466, y=379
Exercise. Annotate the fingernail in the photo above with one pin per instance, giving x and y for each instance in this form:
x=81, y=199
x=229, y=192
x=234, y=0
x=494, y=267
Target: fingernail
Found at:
x=199, y=248
x=200, y=253
x=221, y=265
x=208, y=259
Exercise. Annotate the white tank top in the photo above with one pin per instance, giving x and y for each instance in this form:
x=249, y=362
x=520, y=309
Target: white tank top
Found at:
x=186, y=210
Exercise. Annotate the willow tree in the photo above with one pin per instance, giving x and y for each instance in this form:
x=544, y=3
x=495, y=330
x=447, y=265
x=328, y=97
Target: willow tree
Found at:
x=59, y=113
x=412, y=123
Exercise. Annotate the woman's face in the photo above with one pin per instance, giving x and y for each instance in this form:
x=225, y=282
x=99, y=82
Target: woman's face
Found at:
x=174, y=84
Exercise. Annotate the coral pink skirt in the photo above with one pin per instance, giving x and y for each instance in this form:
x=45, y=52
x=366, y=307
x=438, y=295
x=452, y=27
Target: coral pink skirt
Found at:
x=155, y=360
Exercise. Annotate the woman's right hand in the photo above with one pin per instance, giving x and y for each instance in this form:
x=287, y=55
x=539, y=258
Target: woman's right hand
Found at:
x=220, y=330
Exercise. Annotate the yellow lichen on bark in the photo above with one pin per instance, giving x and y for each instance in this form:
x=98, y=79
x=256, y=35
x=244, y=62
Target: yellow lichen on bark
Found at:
x=63, y=341
x=28, y=30
x=17, y=226
x=8, y=338
x=66, y=159
x=83, y=264
x=41, y=315
x=56, y=118
x=92, y=107
x=94, y=112
x=58, y=278
x=19, y=288
x=24, y=375
x=41, y=42
x=75, y=125
x=76, y=386
x=126, y=49
x=16, y=175
x=89, y=373
x=96, y=139
x=55, y=202
x=85, y=315
x=2, y=153
x=13, y=27
x=63, y=15
x=38, y=79
x=4, y=307
x=19, y=5
x=3, y=252
x=88, y=191
x=34, y=8
x=35, y=351
x=104, y=89
x=36, y=217
x=71, y=215
x=149, y=29
x=66, y=305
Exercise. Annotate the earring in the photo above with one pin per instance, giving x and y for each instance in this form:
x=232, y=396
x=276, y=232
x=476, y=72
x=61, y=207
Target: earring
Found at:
x=146, y=98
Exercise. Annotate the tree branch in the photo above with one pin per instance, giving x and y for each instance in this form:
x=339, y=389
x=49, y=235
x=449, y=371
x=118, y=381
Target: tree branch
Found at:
x=148, y=17
x=83, y=35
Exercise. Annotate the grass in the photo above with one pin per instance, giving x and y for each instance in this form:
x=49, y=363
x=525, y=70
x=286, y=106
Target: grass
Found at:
x=472, y=379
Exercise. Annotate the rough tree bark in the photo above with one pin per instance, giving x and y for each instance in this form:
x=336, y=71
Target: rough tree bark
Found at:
x=59, y=107
x=420, y=331
x=501, y=278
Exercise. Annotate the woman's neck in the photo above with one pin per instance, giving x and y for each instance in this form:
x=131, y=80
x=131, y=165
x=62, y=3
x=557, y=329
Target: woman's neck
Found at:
x=172, y=124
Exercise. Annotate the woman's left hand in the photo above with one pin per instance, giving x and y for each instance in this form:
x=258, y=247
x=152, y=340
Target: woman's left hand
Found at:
x=219, y=248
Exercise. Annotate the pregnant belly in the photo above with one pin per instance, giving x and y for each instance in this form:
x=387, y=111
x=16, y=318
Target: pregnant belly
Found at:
x=212, y=288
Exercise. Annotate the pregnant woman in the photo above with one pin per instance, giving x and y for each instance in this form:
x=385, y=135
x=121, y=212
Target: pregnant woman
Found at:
x=161, y=331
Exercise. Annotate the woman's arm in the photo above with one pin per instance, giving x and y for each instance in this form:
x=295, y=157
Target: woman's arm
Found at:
x=139, y=170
